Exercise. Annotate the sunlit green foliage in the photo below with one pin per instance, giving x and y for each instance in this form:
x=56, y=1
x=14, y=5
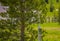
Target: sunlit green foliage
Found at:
x=21, y=12
x=19, y=26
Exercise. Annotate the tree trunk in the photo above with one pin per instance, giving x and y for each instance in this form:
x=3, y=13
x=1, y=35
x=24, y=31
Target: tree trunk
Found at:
x=22, y=8
x=22, y=31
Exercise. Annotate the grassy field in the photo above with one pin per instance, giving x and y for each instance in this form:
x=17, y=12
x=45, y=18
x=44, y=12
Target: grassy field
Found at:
x=53, y=31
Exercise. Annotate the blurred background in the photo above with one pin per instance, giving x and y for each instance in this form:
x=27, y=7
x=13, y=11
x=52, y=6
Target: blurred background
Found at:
x=19, y=20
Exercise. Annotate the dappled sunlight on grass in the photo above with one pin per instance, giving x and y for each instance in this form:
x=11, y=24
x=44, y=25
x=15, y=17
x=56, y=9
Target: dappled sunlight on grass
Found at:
x=52, y=29
x=50, y=25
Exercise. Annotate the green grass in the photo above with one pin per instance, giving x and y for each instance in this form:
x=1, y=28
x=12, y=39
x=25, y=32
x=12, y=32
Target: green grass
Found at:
x=50, y=25
x=52, y=34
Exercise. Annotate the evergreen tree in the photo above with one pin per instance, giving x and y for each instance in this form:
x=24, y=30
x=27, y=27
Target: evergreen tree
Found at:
x=23, y=10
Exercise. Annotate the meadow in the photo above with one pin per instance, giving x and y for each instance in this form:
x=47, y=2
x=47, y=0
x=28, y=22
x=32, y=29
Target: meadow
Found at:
x=52, y=29
x=53, y=33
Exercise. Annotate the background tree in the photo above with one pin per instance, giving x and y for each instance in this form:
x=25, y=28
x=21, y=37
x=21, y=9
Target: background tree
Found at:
x=23, y=11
